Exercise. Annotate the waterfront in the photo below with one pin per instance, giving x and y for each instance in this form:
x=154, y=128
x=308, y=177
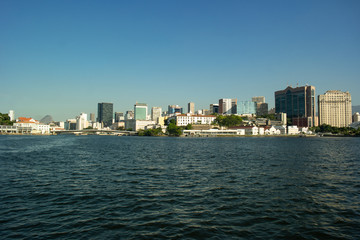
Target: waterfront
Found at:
x=151, y=188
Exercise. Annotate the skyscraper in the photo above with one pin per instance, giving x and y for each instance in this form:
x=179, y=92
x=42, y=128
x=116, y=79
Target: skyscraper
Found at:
x=191, y=107
x=227, y=106
x=119, y=116
x=92, y=117
x=172, y=109
x=140, y=111
x=105, y=114
x=335, y=108
x=155, y=113
x=246, y=107
x=299, y=105
x=258, y=99
x=11, y=115
x=262, y=108
x=214, y=108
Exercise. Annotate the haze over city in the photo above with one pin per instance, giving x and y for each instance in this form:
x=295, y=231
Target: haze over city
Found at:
x=63, y=57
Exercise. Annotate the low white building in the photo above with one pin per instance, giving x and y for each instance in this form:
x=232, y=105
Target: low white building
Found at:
x=293, y=130
x=137, y=125
x=213, y=132
x=185, y=119
x=272, y=131
x=261, y=131
x=31, y=126
x=282, y=129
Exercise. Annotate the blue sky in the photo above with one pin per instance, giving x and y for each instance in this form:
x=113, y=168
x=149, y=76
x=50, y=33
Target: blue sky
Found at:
x=63, y=57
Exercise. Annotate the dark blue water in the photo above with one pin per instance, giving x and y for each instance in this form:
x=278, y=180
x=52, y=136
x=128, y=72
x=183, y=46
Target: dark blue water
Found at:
x=104, y=187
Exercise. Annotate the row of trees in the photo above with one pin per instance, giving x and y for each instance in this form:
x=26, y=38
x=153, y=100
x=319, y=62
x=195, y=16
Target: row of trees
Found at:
x=324, y=128
x=228, y=121
x=5, y=119
x=171, y=130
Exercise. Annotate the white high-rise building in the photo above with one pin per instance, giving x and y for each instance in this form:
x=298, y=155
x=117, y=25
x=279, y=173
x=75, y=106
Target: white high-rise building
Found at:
x=12, y=115
x=227, y=106
x=335, y=108
x=155, y=113
x=81, y=121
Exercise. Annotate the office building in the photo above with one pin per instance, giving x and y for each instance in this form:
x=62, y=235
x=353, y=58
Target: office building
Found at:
x=191, y=107
x=92, y=117
x=81, y=121
x=214, y=108
x=105, y=114
x=258, y=99
x=299, y=105
x=246, y=108
x=335, y=108
x=119, y=116
x=262, y=108
x=129, y=115
x=155, y=113
x=140, y=111
x=173, y=109
x=227, y=106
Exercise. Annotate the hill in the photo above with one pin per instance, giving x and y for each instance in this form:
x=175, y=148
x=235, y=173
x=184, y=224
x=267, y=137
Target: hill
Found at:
x=47, y=119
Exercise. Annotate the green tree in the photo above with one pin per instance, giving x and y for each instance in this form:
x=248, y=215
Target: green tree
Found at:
x=188, y=127
x=228, y=121
x=172, y=129
x=151, y=132
x=268, y=116
x=5, y=119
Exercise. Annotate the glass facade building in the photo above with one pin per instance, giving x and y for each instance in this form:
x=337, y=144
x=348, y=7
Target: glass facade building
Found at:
x=246, y=107
x=105, y=114
x=140, y=111
x=298, y=103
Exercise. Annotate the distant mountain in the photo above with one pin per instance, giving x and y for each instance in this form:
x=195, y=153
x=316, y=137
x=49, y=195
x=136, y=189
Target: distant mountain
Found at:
x=47, y=119
x=356, y=109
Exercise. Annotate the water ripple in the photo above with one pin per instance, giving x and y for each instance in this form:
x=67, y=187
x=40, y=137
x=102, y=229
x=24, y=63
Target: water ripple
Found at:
x=175, y=188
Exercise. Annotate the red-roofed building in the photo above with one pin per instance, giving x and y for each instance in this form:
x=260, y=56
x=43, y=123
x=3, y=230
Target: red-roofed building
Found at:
x=30, y=125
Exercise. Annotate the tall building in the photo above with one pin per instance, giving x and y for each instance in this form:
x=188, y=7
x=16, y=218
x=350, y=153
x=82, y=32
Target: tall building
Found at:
x=214, y=108
x=258, y=99
x=335, y=108
x=119, y=116
x=129, y=115
x=299, y=105
x=246, y=107
x=227, y=106
x=262, y=108
x=191, y=107
x=92, y=117
x=172, y=109
x=155, y=113
x=105, y=114
x=140, y=111
x=11, y=115
x=81, y=121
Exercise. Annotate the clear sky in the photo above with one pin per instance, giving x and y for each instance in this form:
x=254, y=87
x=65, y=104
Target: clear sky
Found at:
x=63, y=57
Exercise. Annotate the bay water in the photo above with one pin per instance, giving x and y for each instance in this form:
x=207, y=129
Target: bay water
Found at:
x=108, y=187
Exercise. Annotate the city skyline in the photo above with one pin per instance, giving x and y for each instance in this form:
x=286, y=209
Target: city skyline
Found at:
x=62, y=58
